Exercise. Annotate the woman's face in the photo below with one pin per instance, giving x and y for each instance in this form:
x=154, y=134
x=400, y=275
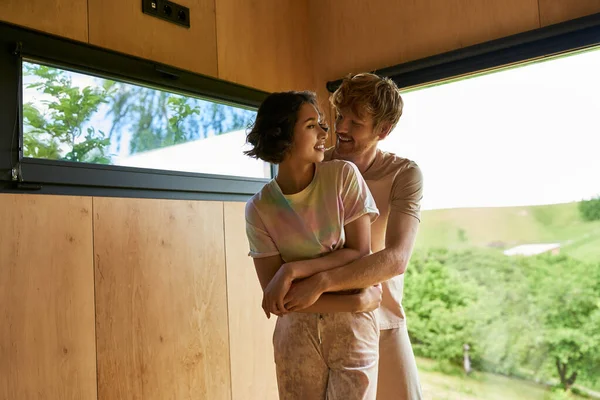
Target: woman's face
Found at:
x=309, y=136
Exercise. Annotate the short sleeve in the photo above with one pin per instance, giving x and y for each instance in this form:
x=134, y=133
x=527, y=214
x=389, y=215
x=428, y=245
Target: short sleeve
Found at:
x=407, y=191
x=356, y=196
x=261, y=243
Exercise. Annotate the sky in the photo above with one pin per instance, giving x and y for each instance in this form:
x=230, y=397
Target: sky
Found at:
x=522, y=136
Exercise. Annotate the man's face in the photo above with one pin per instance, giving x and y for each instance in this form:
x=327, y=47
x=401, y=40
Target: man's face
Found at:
x=355, y=135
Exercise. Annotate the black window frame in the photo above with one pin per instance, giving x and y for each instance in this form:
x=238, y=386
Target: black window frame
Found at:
x=537, y=44
x=21, y=174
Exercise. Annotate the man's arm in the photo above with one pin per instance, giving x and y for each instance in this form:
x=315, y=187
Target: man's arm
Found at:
x=364, y=272
x=379, y=267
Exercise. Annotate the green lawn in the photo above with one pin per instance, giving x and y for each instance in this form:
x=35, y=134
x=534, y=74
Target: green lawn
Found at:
x=505, y=227
x=479, y=386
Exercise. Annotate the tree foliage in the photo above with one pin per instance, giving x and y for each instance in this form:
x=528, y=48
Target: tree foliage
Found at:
x=439, y=303
x=590, y=209
x=537, y=317
x=148, y=118
x=62, y=126
x=159, y=119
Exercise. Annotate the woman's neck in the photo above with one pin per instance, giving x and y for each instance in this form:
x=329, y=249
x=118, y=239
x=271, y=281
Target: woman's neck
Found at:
x=293, y=177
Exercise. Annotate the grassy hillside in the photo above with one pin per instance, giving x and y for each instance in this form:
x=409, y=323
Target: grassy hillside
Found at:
x=505, y=227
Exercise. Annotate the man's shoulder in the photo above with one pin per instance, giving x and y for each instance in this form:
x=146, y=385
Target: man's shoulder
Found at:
x=388, y=163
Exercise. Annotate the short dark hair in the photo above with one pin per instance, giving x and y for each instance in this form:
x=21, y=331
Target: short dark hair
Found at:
x=272, y=133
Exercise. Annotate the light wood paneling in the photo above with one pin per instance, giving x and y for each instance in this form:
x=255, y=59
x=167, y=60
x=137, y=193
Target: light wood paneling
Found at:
x=265, y=44
x=357, y=36
x=160, y=300
x=66, y=18
x=47, y=348
x=120, y=25
x=251, y=333
x=555, y=11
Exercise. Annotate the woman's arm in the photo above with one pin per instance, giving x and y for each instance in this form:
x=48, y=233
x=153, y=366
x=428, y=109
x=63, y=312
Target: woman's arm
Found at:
x=266, y=269
x=366, y=300
x=357, y=245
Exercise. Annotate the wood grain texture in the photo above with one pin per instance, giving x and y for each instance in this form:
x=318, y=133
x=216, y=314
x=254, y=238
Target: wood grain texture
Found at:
x=160, y=300
x=67, y=18
x=358, y=36
x=47, y=344
x=251, y=333
x=120, y=25
x=265, y=44
x=555, y=11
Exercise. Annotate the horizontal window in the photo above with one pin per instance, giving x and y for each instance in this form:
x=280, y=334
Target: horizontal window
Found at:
x=76, y=117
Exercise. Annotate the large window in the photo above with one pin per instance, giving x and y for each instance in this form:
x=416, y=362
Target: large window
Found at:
x=506, y=270
x=501, y=294
x=77, y=119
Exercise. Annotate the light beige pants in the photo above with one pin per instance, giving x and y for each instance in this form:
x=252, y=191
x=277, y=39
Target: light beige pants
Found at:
x=327, y=356
x=398, y=377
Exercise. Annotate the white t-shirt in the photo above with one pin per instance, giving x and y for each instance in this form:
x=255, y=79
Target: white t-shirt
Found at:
x=310, y=223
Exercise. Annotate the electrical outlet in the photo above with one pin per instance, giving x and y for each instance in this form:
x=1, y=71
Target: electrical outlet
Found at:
x=168, y=11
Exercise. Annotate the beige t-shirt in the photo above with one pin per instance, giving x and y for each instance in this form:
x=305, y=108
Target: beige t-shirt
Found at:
x=396, y=183
x=310, y=223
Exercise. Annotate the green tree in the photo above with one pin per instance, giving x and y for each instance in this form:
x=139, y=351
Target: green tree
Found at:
x=158, y=119
x=567, y=293
x=505, y=321
x=525, y=316
x=61, y=127
x=438, y=303
x=153, y=118
x=590, y=209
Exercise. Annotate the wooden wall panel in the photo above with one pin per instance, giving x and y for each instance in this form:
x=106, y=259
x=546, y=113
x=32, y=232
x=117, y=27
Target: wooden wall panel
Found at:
x=555, y=11
x=265, y=44
x=66, y=18
x=357, y=36
x=120, y=25
x=251, y=333
x=47, y=348
x=160, y=300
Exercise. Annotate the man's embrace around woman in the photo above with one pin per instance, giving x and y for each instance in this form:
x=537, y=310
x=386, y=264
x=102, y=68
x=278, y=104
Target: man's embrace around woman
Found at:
x=331, y=236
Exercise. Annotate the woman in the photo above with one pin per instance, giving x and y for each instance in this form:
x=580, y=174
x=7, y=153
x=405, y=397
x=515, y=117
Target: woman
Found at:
x=313, y=216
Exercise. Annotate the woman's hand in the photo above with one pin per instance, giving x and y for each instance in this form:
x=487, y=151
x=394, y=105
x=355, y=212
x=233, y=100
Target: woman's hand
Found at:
x=370, y=298
x=276, y=290
x=303, y=293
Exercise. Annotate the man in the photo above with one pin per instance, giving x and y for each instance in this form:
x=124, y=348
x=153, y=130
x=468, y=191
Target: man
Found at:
x=368, y=108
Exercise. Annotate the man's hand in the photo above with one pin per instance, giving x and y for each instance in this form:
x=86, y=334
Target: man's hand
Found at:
x=276, y=290
x=303, y=293
x=370, y=298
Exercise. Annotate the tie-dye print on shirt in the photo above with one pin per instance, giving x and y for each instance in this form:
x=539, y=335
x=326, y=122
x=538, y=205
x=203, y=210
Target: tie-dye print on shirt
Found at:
x=310, y=223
